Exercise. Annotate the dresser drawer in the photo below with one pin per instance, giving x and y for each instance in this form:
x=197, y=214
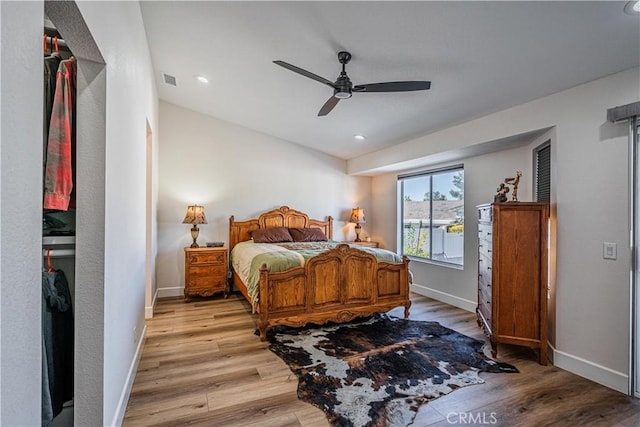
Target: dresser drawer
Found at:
x=484, y=295
x=484, y=263
x=485, y=248
x=485, y=213
x=485, y=232
x=484, y=308
x=484, y=281
x=217, y=257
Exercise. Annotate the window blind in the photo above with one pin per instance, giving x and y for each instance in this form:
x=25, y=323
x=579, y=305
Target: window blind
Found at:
x=543, y=173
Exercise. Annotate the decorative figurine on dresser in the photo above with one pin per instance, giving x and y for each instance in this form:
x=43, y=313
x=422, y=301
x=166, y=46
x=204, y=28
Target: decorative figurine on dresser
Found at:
x=501, y=195
x=514, y=182
x=512, y=274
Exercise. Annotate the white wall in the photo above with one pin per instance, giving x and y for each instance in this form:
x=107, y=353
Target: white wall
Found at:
x=116, y=217
x=232, y=170
x=131, y=100
x=20, y=212
x=589, y=175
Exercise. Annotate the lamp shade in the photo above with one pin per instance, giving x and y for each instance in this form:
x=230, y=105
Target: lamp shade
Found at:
x=357, y=216
x=195, y=215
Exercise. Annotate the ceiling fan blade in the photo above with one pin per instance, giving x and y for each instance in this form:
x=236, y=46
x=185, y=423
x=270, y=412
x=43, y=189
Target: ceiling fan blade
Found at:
x=328, y=106
x=393, y=86
x=304, y=73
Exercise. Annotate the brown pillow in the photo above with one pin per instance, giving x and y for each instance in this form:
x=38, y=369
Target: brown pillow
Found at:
x=307, y=235
x=271, y=235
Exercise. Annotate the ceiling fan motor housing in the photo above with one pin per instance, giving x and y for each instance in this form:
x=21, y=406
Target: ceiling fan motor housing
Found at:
x=343, y=87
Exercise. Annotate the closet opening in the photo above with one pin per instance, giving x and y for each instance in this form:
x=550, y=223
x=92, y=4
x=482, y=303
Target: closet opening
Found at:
x=81, y=241
x=58, y=228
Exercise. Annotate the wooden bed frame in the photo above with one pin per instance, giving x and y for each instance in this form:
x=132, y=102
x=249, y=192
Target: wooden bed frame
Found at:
x=338, y=285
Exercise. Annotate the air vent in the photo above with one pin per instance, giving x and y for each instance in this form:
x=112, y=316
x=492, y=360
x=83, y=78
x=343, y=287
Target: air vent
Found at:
x=168, y=79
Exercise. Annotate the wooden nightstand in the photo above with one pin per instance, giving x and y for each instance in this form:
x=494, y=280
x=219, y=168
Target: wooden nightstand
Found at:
x=367, y=244
x=205, y=271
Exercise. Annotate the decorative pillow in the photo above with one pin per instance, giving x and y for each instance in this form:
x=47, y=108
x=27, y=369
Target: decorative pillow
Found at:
x=271, y=235
x=307, y=235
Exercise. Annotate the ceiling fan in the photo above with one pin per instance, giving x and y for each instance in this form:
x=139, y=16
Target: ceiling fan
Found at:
x=343, y=88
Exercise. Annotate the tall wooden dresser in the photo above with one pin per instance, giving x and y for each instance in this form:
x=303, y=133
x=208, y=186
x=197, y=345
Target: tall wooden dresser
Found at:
x=512, y=274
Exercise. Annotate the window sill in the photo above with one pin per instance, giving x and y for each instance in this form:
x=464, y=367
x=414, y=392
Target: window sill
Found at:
x=435, y=262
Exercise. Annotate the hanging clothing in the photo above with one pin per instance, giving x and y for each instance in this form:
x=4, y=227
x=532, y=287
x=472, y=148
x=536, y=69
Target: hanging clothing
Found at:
x=58, y=177
x=58, y=337
x=51, y=64
x=47, y=407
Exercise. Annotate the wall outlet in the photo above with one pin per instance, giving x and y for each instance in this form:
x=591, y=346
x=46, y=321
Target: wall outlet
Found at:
x=135, y=334
x=609, y=250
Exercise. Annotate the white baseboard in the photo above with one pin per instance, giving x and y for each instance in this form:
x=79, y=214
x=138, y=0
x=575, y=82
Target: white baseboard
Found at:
x=118, y=417
x=178, y=291
x=148, y=310
x=445, y=297
x=592, y=371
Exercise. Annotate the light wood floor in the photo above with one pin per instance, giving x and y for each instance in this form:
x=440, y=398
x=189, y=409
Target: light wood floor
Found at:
x=202, y=365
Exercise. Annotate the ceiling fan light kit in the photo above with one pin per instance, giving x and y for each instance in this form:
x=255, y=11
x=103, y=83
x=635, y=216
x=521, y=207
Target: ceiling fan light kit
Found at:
x=343, y=88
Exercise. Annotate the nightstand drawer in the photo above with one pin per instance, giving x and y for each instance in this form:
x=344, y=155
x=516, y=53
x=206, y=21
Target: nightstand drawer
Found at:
x=207, y=282
x=217, y=257
x=207, y=271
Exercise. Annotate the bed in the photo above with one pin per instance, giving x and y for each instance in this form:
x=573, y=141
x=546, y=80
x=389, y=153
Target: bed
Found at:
x=337, y=284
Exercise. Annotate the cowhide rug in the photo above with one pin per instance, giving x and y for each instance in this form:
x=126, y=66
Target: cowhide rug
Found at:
x=378, y=371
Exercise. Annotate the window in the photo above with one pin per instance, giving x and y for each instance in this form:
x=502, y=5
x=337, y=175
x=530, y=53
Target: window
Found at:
x=542, y=158
x=432, y=212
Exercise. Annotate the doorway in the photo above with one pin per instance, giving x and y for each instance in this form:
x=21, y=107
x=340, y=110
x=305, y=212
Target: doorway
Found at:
x=634, y=373
x=150, y=283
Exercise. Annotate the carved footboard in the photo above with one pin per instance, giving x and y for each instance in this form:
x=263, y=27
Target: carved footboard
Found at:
x=338, y=285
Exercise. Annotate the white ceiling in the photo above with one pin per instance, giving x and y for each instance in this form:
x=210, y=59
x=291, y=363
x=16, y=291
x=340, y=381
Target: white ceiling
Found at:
x=481, y=57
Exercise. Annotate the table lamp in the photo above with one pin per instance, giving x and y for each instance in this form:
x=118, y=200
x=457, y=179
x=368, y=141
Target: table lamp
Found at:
x=357, y=217
x=195, y=216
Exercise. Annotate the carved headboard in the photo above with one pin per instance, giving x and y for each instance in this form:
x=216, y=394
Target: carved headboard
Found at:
x=240, y=231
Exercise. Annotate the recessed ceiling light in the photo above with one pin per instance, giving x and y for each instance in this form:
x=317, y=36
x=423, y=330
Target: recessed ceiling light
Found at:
x=360, y=137
x=202, y=79
x=632, y=7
